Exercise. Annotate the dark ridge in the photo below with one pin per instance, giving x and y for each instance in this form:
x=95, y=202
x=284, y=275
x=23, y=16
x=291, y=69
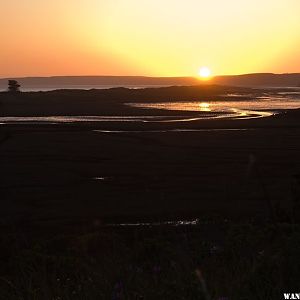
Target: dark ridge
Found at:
x=247, y=80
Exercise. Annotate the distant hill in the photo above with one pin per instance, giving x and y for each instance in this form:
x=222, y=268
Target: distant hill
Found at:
x=90, y=81
x=260, y=80
x=247, y=80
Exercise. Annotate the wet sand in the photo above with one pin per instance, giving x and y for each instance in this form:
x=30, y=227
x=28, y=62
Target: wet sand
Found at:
x=83, y=171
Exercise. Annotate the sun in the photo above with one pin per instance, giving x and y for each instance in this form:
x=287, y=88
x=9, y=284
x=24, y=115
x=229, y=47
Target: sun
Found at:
x=205, y=73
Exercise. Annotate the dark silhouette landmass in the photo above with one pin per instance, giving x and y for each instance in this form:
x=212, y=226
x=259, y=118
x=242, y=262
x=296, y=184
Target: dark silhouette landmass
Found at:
x=69, y=189
x=88, y=81
x=148, y=173
x=260, y=80
x=110, y=101
x=247, y=80
x=13, y=86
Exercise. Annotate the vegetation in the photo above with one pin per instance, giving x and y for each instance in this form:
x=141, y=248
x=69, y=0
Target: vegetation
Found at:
x=254, y=261
x=13, y=86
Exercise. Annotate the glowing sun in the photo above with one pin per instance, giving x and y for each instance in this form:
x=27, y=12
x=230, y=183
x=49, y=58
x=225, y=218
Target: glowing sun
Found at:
x=205, y=73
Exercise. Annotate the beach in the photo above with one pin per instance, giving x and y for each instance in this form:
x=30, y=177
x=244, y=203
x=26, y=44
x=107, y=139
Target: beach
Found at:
x=115, y=170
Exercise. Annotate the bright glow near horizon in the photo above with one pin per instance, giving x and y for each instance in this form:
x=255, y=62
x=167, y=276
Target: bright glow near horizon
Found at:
x=143, y=37
x=205, y=73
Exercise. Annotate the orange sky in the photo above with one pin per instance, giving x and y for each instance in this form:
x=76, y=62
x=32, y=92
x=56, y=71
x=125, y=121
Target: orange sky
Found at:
x=148, y=37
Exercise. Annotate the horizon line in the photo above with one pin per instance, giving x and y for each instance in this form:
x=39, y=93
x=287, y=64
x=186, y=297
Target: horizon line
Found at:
x=145, y=76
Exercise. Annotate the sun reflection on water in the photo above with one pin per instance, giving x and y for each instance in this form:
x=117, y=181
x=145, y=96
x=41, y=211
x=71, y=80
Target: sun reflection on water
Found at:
x=204, y=106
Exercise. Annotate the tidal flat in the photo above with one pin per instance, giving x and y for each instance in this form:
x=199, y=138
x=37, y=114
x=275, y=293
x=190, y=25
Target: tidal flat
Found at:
x=93, y=206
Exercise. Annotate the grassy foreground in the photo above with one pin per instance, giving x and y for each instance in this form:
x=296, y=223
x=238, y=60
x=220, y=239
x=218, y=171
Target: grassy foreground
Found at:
x=223, y=260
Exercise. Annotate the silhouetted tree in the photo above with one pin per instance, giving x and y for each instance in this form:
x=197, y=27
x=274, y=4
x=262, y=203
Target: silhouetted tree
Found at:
x=13, y=86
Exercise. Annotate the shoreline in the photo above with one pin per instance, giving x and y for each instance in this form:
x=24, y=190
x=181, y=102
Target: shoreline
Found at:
x=149, y=171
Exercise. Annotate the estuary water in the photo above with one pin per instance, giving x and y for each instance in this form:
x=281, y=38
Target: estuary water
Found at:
x=259, y=107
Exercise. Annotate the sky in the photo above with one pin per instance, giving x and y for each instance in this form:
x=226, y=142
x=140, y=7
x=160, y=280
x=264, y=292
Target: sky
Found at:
x=148, y=37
